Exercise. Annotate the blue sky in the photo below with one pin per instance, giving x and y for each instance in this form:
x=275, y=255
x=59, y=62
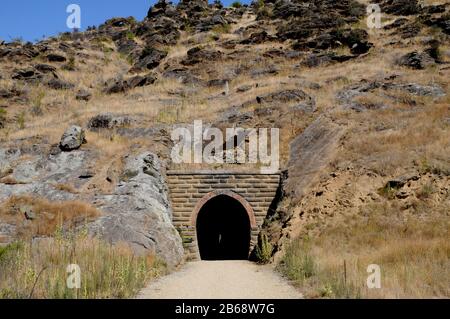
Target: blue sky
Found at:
x=33, y=19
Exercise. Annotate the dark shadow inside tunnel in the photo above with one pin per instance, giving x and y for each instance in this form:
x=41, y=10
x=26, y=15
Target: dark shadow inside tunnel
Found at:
x=223, y=230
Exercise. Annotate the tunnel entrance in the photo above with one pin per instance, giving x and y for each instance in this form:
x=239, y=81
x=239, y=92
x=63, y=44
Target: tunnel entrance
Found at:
x=223, y=229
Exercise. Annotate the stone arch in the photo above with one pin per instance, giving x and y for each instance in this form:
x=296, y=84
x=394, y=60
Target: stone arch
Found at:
x=248, y=208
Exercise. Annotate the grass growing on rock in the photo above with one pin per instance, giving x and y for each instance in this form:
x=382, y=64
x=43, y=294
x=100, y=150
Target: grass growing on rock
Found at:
x=39, y=270
x=49, y=216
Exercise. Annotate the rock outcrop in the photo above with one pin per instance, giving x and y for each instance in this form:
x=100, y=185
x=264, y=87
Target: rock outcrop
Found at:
x=310, y=153
x=139, y=211
x=72, y=139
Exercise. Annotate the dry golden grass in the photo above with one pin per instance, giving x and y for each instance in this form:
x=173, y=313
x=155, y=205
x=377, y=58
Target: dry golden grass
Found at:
x=385, y=141
x=9, y=180
x=49, y=216
x=39, y=270
x=150, y=103
x=413, y=253
x=66, y=188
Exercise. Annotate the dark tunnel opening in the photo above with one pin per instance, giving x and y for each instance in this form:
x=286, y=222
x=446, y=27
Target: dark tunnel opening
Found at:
x=223, y=230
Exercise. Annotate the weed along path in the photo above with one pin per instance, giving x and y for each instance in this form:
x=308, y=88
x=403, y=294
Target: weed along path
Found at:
x=221, y=280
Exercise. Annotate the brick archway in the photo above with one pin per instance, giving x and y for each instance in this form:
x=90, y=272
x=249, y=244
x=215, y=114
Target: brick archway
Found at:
x=248, y=208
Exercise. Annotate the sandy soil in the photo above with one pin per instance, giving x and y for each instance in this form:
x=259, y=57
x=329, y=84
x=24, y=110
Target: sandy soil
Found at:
x=221, y=280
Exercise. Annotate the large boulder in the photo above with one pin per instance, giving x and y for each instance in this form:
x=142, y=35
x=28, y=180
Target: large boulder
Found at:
x=416, y=60
x=58, y=84
x=72, y=139
x=115, y=85
x=138, y=212
x=27, y=74
x=200, y=54
x=150, y=58
x=160, y=9
x=45, y=68
x=119, y=85
x=55, y=57
x=141, y=80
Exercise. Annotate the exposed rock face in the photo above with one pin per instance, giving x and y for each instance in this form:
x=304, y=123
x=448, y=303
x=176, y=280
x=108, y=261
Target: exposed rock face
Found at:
x=115, y=85
x=72, y=139
x=150, y=58
x=108, y=121
x=58, y=84
x=355, y=39
x=199, y=54
x=258, y=37
x=401, y=7
x=118, y=85
x=139, y=80
x=347, y=96
x=159, y=9
x=28, y=74
x=287, y=96
x=139, y=211
x=310, y=152
x=307, y=18
x=18, y=53
x=45, y=68
x=416, y=60
x=433, y=90
x=56, y=58
x=38, y=175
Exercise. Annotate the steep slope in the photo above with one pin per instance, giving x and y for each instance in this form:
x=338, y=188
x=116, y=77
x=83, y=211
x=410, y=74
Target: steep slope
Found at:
x=363, y=113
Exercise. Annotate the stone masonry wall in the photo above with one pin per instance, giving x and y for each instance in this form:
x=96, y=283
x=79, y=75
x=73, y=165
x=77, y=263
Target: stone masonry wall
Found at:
x=189, y=191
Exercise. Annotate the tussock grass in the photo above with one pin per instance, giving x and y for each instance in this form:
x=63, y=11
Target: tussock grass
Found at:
x=39, y=270
x=50, y=216
x=413, y=253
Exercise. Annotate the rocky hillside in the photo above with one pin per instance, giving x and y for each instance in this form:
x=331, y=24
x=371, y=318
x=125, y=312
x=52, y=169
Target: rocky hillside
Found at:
x=85, y=118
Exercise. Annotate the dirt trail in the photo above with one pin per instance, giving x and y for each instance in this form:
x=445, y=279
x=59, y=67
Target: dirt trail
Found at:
x=221, y=280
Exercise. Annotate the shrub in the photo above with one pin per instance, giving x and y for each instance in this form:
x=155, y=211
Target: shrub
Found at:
x=2, y=117
x=236, y=4
x=222, y=28
x=70, y=65
x=259, y=4
x=298, y=263
x=264, y=249
x=21, y=120
x=130, y=35
x=426, y=191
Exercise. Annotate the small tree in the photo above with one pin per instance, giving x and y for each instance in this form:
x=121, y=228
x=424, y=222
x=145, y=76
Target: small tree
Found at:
x=218, y=4
x=236, y=4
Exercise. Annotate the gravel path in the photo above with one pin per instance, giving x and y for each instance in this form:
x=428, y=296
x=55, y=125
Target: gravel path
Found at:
x=221, y=280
